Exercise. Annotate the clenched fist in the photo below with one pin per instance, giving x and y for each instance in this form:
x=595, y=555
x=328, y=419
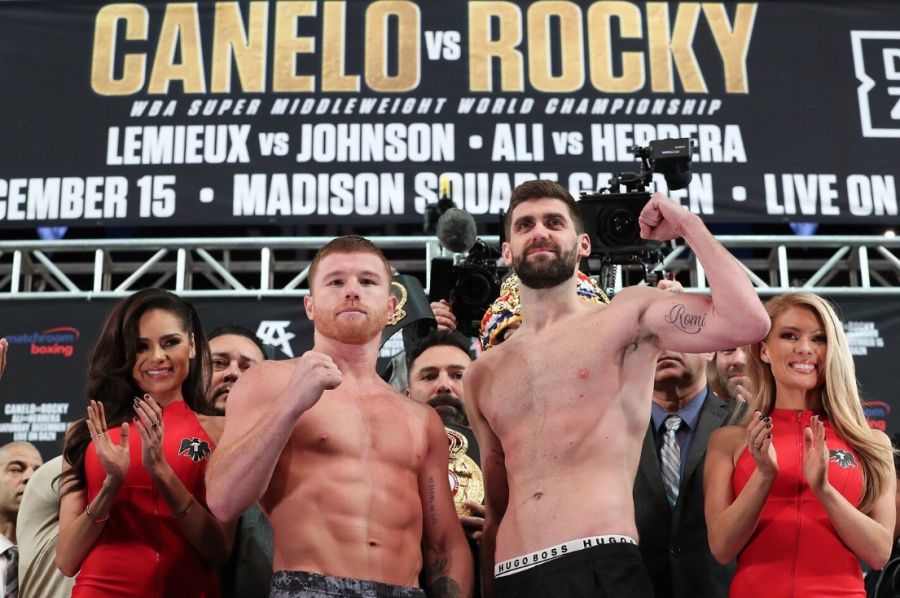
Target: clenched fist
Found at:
x=314, y=373
x=662, y=219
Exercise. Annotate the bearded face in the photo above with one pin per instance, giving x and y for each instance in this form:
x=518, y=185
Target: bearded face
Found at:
x=544, y=264
x=544, y=245
x=731, y=365
x=351, y=323
x=436, y=378
x=351, y=300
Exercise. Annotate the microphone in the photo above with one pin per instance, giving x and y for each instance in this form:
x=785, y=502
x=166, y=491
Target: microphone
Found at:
x=456, y=230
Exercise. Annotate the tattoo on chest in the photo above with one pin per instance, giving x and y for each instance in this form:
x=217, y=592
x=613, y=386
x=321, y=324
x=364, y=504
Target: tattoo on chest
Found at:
x=687, y=322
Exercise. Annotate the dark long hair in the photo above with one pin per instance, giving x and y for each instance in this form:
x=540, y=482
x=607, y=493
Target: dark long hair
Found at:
x=109, y=376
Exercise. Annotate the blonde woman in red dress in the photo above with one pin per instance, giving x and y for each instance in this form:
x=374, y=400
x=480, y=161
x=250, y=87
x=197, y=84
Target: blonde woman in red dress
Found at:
x=804, y=489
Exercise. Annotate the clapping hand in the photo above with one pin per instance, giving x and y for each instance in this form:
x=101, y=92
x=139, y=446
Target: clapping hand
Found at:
x=815, y=455
x=759, y=443
x=115, y=458
x=150, y=426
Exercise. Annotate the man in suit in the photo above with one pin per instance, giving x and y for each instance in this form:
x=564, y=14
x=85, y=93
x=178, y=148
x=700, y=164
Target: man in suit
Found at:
x=672, y=528
x=18, y=462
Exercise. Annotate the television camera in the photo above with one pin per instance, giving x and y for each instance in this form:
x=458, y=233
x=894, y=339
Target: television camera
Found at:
x=611, y=215
x=470, y=283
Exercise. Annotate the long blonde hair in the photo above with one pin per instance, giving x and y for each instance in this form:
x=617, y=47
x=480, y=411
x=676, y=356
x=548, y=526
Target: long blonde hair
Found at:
x=839, y=394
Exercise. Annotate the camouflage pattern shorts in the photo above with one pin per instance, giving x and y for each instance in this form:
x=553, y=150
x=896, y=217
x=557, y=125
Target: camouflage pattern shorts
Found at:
x=299, y=584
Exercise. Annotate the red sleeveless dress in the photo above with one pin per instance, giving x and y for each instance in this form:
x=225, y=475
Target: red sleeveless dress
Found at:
x=142, y=551
x=795, y=550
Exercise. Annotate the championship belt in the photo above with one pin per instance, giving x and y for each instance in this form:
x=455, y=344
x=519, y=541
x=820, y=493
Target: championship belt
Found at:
x=466, y=480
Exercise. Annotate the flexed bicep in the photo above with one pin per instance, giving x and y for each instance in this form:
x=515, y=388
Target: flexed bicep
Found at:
x=689, y=322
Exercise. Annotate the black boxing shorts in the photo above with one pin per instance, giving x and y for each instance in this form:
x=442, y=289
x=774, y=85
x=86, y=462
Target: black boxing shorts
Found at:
x=607, y=566
x=299, y=584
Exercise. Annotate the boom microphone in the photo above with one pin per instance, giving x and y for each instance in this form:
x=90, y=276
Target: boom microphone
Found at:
x=456, y=230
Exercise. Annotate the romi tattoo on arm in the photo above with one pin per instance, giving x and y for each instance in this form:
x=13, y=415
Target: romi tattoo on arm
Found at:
x=684, y=321
x=439, y=585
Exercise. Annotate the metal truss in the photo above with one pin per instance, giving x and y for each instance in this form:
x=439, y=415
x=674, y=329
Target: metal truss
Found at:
x=226, y=267
x=828, y=265
x=279, y=266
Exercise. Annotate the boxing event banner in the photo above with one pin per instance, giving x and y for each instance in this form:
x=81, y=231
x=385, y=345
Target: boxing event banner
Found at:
x=232, y=113
x=42, y=389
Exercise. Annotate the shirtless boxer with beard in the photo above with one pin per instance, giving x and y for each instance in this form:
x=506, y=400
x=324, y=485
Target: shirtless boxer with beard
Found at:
x=561, y=408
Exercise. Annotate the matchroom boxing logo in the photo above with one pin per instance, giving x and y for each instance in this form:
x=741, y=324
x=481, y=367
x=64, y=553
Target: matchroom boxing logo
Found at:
x=876, y=60
x=55, y=341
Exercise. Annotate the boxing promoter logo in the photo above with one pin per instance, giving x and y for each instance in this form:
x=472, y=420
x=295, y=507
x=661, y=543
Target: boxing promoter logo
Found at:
x=876, y=60
x=55, y=341
x=275, y=333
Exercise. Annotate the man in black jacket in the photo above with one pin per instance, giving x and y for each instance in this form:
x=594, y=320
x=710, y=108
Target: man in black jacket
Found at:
x=672, y=527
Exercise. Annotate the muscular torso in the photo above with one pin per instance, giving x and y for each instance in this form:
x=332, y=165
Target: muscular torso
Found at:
x=570, y=406
x=344, y=497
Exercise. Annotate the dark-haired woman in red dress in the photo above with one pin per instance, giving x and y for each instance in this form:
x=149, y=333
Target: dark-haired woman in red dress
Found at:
x=133, y=518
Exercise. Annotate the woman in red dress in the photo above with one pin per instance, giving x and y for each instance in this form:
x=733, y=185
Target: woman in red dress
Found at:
x=804, y=488
x=133, y=518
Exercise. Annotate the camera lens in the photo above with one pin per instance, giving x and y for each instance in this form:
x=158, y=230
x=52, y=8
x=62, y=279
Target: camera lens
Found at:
x=622, y=223
x=474, y=289
x=618, y=226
